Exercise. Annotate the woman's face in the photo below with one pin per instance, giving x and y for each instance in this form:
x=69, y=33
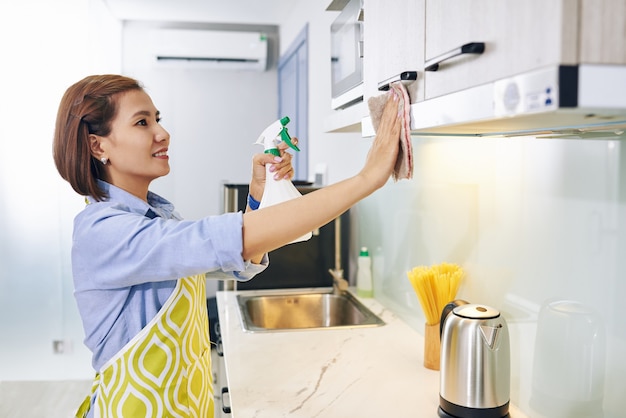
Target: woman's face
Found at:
x=137, y=145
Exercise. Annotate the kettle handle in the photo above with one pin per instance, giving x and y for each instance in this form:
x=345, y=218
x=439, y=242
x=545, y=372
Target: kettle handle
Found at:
x=446, y=311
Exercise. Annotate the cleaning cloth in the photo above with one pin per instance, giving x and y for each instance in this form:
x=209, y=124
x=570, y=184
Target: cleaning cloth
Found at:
x=403, y=168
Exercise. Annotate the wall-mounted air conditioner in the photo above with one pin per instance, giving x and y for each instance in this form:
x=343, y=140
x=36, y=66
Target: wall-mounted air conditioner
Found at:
x=212, y=49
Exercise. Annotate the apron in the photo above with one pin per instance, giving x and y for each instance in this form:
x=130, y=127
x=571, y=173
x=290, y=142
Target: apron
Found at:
x=165, y=371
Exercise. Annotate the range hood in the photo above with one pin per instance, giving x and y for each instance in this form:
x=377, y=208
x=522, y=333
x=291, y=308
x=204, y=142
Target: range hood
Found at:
x=582, y=101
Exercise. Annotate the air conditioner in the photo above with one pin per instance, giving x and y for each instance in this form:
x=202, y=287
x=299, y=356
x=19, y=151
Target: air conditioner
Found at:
x=212, y=49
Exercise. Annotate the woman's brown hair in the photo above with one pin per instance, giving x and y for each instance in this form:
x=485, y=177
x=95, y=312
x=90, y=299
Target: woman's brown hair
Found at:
x=87, y=107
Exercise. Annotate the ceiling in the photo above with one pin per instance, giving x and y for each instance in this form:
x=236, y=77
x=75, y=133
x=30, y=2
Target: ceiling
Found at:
x=271, y=12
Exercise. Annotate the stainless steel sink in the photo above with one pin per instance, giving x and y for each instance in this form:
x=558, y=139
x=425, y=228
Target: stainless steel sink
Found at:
x=298, y=311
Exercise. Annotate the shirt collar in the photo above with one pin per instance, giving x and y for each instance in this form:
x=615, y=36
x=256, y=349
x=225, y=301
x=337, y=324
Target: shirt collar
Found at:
x=156, y=206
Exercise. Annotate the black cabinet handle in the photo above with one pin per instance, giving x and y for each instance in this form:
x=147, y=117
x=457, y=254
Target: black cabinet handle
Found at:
x=404, y=76
x=225, y=408
x=470, y=48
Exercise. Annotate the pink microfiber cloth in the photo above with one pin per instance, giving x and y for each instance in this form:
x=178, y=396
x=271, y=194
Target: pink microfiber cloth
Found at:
x=404, y=164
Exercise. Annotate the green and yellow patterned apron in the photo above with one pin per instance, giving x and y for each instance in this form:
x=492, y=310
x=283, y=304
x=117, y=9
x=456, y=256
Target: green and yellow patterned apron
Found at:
x=165, y=371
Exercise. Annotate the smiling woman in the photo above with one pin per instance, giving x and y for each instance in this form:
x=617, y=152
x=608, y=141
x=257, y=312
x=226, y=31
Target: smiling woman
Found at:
x=139, y=269
x=109, y=145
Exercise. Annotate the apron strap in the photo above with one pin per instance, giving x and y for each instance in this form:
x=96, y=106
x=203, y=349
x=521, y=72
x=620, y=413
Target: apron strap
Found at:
x=84, y=407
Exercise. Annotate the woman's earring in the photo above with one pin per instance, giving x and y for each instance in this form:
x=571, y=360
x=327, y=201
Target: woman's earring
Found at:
x=104, y=160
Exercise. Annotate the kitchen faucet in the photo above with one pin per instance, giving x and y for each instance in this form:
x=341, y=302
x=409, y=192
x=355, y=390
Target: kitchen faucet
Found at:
x=340, y=285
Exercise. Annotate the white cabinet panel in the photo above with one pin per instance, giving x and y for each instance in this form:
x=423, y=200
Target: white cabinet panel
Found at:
x=393, y=43
x=518, y=37
x=603, y=32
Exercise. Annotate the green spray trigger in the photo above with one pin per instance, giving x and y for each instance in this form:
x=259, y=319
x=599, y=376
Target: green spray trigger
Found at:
x=270, y=135
x=284, y=134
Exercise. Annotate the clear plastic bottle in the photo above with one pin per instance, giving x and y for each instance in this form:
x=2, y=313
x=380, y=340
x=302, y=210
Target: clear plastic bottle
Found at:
x=364, y=274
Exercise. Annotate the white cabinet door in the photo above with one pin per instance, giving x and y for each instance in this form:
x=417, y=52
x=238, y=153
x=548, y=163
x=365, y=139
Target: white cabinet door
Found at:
x=602, y=32
x=393, y=41
x=518, y=35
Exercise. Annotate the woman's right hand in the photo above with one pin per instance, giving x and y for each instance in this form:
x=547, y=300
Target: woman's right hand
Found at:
x=383, y=153
x=281, y=168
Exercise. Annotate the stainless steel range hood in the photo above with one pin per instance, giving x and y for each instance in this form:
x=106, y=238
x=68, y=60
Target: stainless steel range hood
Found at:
x=583, y=101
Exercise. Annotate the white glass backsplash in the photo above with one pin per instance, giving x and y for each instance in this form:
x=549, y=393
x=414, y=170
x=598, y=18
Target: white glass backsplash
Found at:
x=530, y=221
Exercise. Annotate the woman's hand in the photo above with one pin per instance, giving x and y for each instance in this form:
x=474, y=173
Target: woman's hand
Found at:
x=280, y=167
x=383, y=153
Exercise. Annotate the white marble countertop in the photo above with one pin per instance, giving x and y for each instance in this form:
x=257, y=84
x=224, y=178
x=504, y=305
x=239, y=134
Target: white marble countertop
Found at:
x=348, y=372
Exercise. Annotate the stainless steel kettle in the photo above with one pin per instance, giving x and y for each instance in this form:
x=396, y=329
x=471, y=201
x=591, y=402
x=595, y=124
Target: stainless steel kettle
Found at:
x=475, y=362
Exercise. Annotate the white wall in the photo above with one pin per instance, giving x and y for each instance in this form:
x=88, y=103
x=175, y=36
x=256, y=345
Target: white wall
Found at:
x=530, y=220
x=46, y=46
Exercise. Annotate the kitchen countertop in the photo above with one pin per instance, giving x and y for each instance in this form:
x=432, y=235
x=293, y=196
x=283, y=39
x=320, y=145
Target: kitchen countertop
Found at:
x=348, y=372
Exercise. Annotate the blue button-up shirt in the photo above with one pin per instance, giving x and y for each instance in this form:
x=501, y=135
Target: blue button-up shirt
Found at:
x=127, y=255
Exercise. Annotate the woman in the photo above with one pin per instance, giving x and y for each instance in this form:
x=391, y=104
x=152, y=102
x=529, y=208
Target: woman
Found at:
x=139, y=268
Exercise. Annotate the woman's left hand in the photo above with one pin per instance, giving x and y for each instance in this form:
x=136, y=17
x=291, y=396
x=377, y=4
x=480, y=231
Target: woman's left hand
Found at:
x=280, y=168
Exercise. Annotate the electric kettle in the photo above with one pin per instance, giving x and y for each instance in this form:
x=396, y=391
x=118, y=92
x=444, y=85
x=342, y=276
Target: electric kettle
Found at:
x=475, y=362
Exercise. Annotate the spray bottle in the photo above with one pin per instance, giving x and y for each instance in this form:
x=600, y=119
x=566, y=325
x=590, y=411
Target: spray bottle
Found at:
x=278, y=191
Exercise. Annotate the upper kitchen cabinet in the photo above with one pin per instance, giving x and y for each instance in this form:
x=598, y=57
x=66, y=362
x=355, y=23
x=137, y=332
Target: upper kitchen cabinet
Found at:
x=518, y=36
x=502, y=67
x=549, y=68
x=393, y=45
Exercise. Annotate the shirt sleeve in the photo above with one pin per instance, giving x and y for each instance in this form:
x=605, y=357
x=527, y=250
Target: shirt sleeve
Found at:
x=115, y=248
x=246, y=274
